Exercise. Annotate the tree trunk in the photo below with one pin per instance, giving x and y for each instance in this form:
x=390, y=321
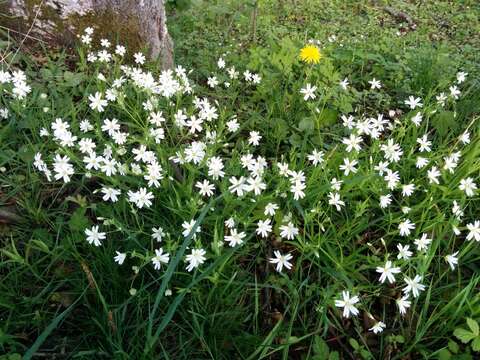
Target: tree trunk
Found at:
x=139, y=24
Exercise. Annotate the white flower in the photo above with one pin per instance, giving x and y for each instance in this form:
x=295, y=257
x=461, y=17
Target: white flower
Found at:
x=283, y=169
x=468, y=186
x=195, y=259
x=238, y=186
x=474, y=230
x=104, y=56
x=382, y=167
x=441, y=98
x=212, y=81
x=352, y=142
x=349, y=166
x=405, y=227
x=256, y=185
x=85, y=126
x=270, y=209
x=404, y=252
x=215, y=168
x=288, y=231
x=392, y=151
x=120, y=257
x=235, y=238
x=86, y=39
x=424, y=144
x=141, y=198
x=344, y=84
x=188, y=227
x=206, y=188
x=392, y=178
x=160, y=258
x=221, y=63
x=465, y=138
x=433, y=175
x=454, y=92
x=403, y=304
x=4, y=112
x=264, y=228
x=457, y=210
x=281, y=261
x=375, y=84
x=423, y=242
x=230, y=223
x=297, y=190
x=451, y=162
x=96, y=102
x=417, y=119
x=385, y=200
x=86, y=145
x=378, y=327
x=120, y=50
x=413, y=285
x=316, y=157
x=233, y=125
x=348, y=304
x=413, y=102
x=388, y=272
x=105, y=43
x=308, y=92
x=452, y=260
x=407, y=190
x=110, y=194
x=92, y=161
x=94, y=236
x=110, y=126
x=348, y=121
x=336, y=184
x=158, y=233
x=421, y=162
x=334, y=199
x=62, y=168
x=232, y=73
x=139, y=58
x=461, y=76
x=254, y=138
x=456, y=231
x=256, y=79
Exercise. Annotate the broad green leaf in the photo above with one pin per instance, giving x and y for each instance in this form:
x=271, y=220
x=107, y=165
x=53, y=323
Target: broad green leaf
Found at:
x=463, y=335
x=320, y=347
x=453, y=346
x=473, y=325
x=306, y=124
x=354, y=343
x=78, y=221
x=72, y=79
x=444, y=354
x=476, y=344
x=334, y=356
x=444, y=122
x=327, y=117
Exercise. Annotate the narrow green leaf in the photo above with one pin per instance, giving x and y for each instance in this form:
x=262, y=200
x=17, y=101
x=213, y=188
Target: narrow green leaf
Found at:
x=53, y=325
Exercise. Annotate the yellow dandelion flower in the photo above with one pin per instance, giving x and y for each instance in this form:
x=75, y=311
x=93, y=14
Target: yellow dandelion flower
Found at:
x=310, y=54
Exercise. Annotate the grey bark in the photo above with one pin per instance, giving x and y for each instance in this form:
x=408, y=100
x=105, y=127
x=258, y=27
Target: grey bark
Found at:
x=139, y=22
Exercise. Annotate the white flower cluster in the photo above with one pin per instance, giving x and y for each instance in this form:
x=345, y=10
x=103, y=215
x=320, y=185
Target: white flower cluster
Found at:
x=19, y=88
x=140, y=156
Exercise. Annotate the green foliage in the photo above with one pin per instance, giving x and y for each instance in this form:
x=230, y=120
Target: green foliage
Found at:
x=469, y=336
x=58, y=293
